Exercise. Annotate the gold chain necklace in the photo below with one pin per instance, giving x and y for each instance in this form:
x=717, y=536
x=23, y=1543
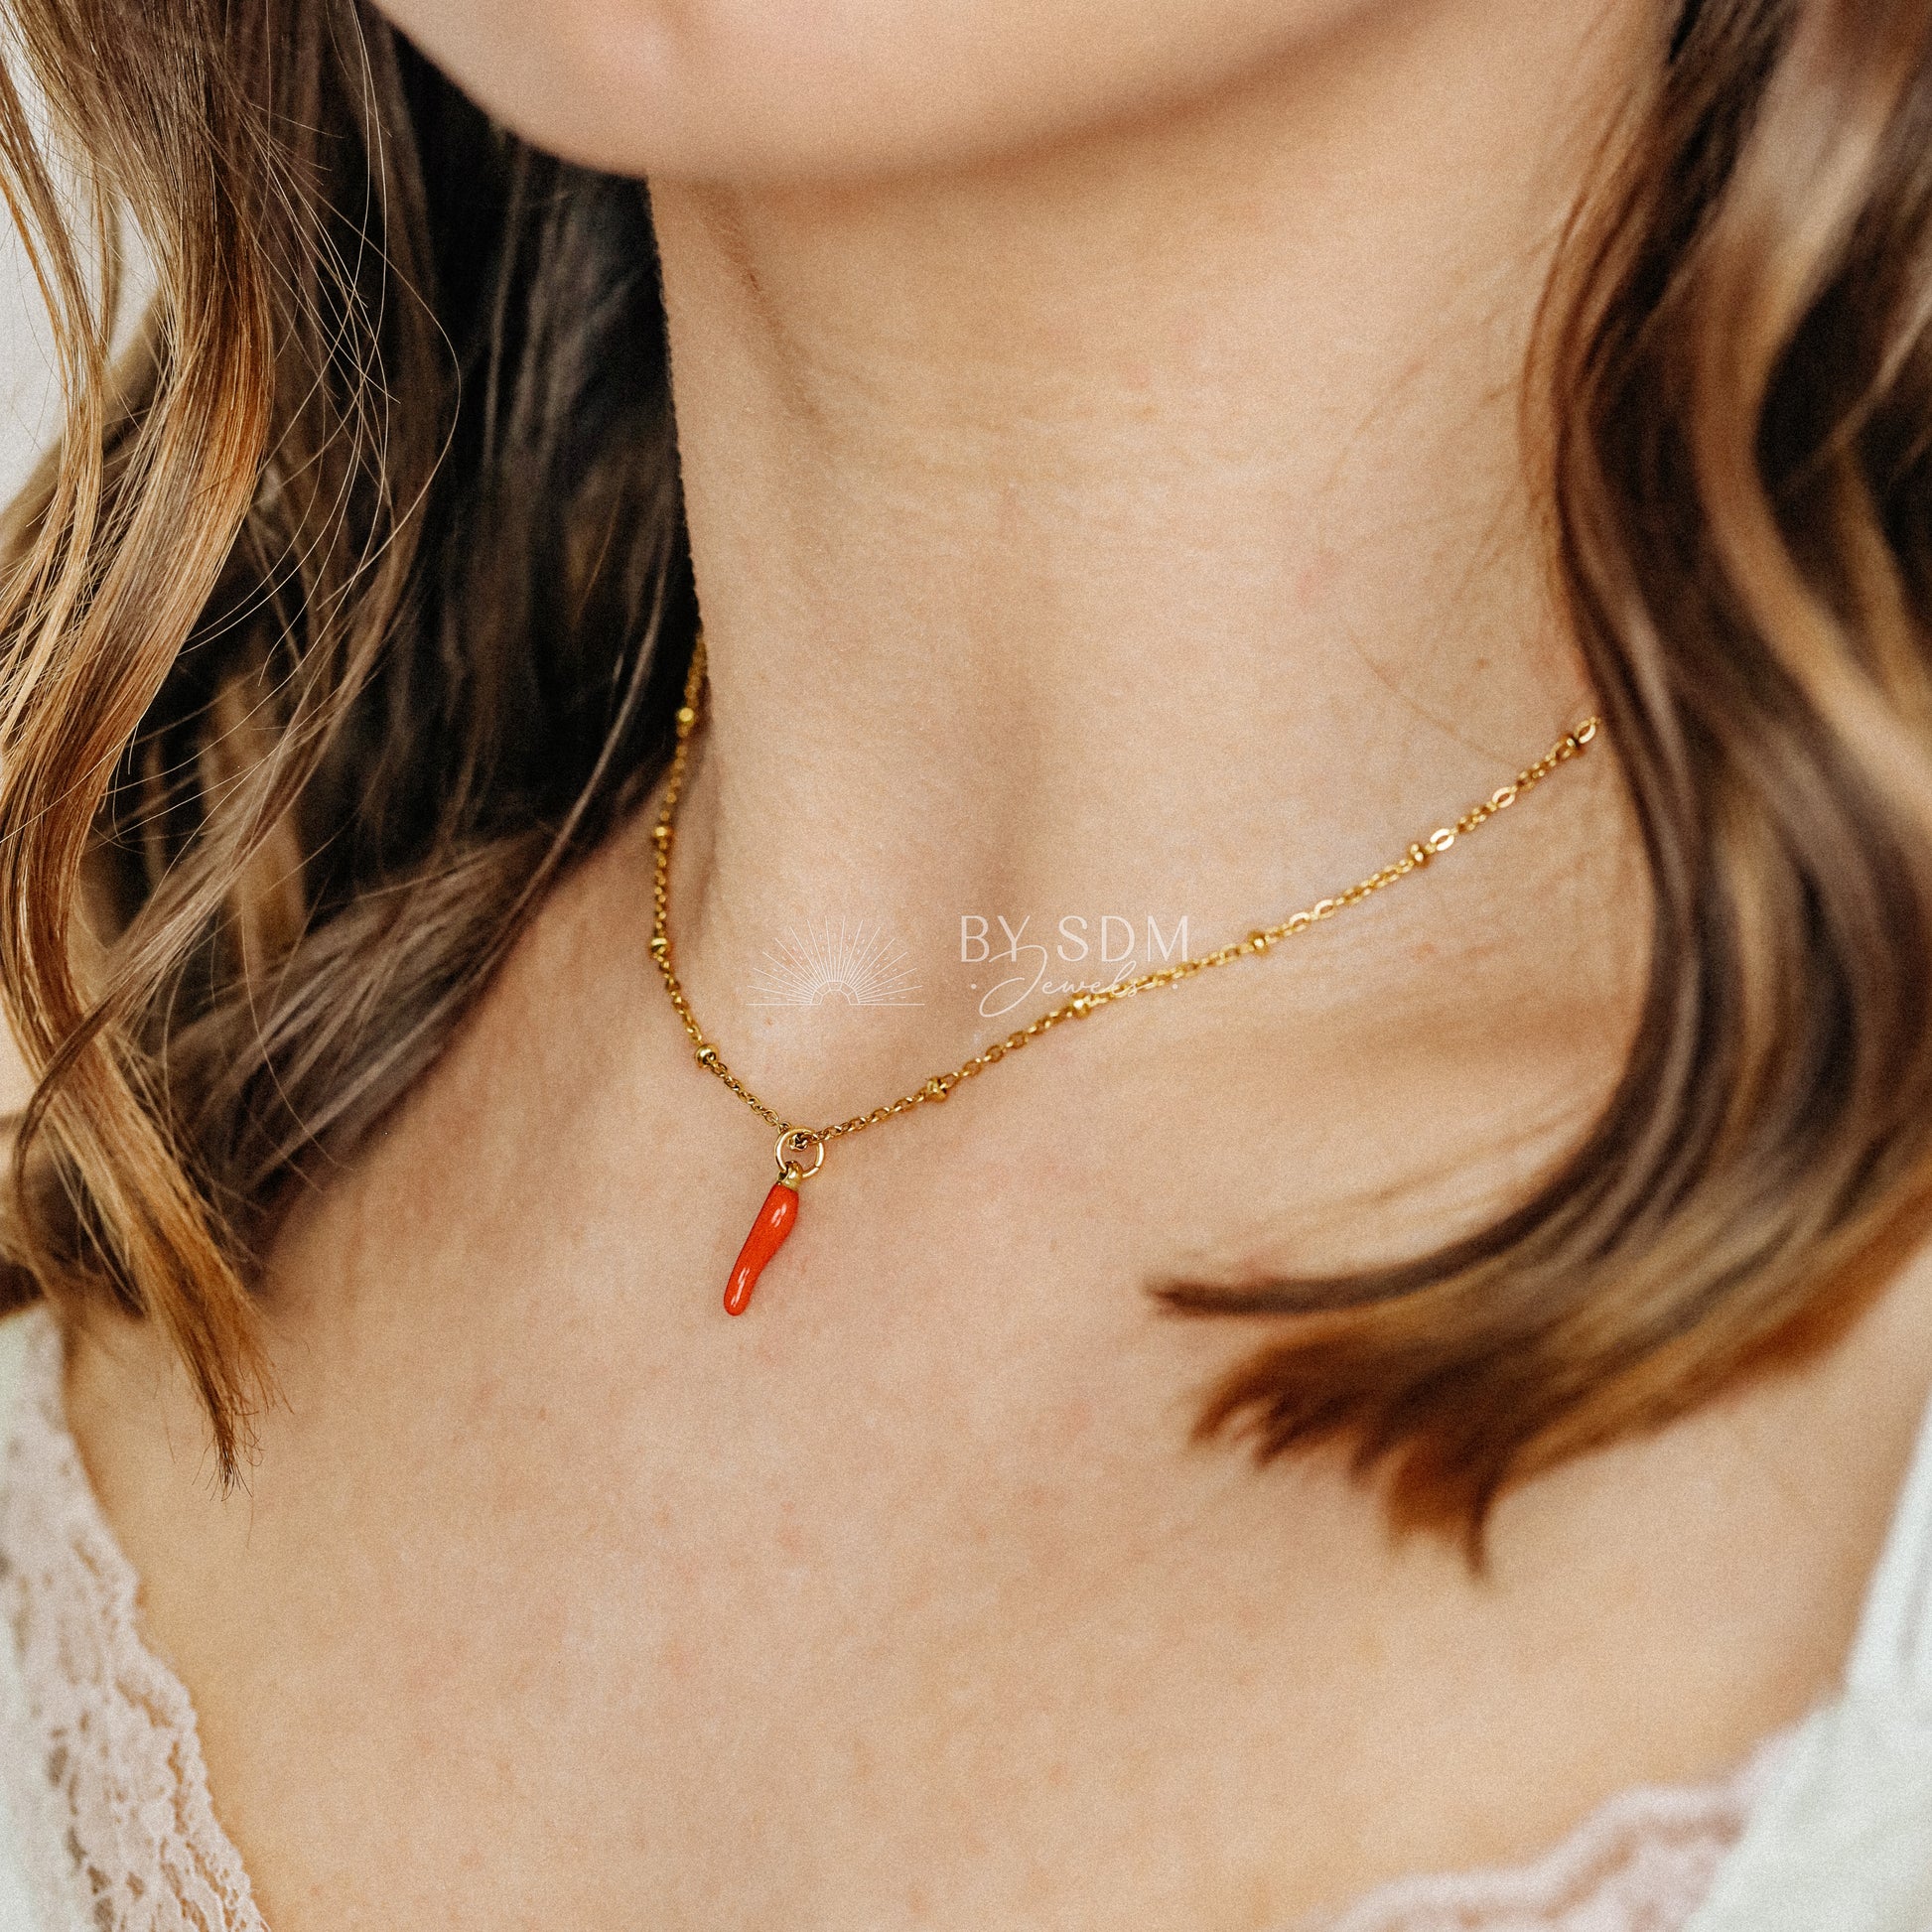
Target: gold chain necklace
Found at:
x=797, y=1144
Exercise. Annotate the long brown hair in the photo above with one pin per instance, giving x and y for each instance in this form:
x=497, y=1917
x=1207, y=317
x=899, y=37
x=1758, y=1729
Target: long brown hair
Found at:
x=354, y=604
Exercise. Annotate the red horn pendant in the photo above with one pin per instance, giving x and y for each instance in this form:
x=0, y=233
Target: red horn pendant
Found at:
x=776, y=1218
x=776, y=1221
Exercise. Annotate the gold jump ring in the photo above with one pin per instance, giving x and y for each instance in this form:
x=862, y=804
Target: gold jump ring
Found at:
x=792, y=1142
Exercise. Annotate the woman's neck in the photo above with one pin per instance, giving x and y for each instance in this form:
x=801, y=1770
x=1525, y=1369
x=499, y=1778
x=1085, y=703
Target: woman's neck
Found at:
x=1138, y=527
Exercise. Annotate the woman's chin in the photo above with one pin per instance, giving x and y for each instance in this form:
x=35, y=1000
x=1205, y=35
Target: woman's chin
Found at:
x=777, y=91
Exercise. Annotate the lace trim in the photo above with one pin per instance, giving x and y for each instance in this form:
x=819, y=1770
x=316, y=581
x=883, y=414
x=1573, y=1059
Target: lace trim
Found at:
x=112, y=1737
x=110, y=1761
x=1643, y=1862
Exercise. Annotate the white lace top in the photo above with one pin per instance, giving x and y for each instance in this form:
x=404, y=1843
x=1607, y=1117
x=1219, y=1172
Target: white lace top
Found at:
x=114, y=1831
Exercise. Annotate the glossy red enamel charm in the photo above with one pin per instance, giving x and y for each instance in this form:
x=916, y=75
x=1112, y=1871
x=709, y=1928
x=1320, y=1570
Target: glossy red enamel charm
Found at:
x=776, y=1221
x=776, y=1218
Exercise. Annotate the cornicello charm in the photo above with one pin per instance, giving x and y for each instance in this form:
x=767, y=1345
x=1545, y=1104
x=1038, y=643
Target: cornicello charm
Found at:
x=776, y=1218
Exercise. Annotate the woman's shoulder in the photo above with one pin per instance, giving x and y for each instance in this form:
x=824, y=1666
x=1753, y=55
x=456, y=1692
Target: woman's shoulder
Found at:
x=1843, y=1836
x=104, y=1809
x=25, y=1810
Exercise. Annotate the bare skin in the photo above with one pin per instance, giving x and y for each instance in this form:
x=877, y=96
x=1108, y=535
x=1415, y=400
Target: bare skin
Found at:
x=1119, y=515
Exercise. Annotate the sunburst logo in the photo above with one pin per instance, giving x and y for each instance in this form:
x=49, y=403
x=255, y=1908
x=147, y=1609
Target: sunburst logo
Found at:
x=858, y=966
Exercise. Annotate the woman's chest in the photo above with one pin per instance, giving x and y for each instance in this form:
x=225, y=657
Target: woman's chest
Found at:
x=563, y=1616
